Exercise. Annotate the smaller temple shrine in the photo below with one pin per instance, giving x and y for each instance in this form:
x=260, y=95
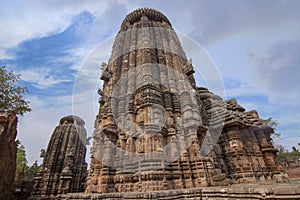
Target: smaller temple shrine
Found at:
x=64, y=169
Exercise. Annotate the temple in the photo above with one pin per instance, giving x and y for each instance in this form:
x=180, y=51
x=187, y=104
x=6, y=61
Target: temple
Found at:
x=64, y=169
x=156, y=130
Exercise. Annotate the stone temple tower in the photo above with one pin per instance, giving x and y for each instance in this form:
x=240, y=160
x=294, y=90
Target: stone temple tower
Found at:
x=156, y=130
x=146, y=137
x=64, y=169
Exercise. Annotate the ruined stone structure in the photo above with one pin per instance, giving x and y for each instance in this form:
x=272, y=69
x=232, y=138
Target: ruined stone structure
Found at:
x=156, y=130
x=64, y=169
x=8, y=152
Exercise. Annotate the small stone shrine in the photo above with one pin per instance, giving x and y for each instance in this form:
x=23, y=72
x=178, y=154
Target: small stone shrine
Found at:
x=64, y=168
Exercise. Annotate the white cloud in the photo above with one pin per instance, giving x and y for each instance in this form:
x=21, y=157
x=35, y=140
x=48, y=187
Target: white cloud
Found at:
x=3, y=54
x=22, y=21
x=41, y=78
x=278, y=73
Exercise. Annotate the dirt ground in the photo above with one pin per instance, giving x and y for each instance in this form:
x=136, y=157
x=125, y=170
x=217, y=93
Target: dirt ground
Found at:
x=294, y=173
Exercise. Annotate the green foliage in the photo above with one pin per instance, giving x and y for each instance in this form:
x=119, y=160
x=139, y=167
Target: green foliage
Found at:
x=272, y=123
x=21, y=157
x=31, y=172
x=295, y=152
x=11, y=93
x=287, y=158
x=22, y=167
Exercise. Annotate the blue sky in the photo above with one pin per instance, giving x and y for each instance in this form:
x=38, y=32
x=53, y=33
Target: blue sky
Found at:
x=58, y=47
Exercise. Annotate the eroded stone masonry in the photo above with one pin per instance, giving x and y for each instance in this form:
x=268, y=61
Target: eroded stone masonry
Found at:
x=64, y=169
x=156, y=130
x=8, y=151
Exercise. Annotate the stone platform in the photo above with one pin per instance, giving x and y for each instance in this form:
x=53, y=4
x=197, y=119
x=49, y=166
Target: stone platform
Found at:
x=289, y=191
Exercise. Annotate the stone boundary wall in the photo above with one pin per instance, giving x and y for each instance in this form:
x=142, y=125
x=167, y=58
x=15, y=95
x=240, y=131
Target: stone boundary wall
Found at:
x=237, y=192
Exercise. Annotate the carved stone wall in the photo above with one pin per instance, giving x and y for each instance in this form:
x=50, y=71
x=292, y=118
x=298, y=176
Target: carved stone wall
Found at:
x=156, y=130
x=64, y=169
x=8, y=151
x=245, y=150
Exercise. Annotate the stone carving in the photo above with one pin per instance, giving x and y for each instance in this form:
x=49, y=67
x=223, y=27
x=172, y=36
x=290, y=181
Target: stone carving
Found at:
x=106, y=74
x=246, y=150
x=64, y=169
x=42, y=154
x=161, y=113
